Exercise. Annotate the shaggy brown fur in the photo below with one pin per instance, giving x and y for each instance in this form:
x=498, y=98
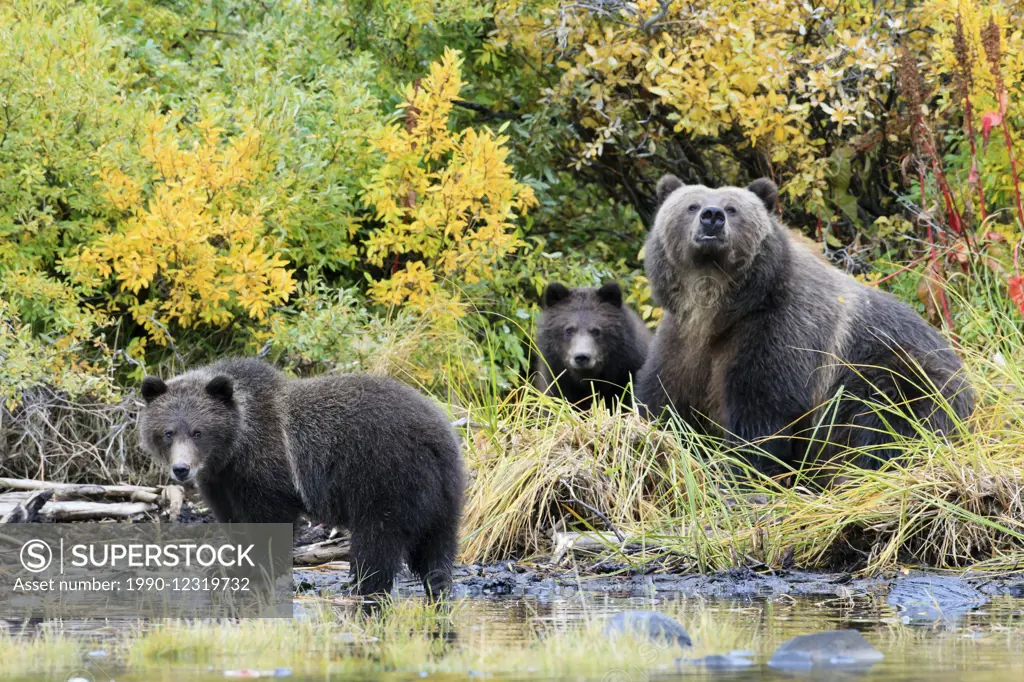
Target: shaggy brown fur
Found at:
x=759, y=332
x=370, y=454
x=591, y=344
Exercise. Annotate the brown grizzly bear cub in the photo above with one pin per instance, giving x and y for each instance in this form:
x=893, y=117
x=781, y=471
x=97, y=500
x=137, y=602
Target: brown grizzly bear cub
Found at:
x=367, y=453
x=590, y=344
x=759, y=333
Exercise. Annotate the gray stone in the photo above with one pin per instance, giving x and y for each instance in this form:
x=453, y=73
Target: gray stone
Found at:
x=834, y=649
x=929, y=599
x=650, y=624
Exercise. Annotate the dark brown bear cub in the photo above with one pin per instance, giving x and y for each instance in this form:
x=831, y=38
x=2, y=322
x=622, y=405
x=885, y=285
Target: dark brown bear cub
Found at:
x=590, y=344
x=759, y=333
x=367, y=453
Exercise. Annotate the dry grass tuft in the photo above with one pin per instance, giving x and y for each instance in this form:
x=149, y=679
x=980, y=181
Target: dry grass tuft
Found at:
x=539, y=465
x=547, y=465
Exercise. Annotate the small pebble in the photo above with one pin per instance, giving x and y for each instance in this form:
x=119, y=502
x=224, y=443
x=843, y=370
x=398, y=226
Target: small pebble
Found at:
x=99, y=653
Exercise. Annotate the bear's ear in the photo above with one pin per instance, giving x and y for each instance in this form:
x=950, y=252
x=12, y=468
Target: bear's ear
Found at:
x=221, y=388
x=555, y=293
x=767, y=192
x=610, y=293
x=153, y=388
x=668, y=184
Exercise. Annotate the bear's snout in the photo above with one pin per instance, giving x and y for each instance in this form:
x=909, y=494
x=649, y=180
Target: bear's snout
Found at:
x=181, y=471
x=185, y=460
x=712, y=224
x=583, y=354
x=582, y=361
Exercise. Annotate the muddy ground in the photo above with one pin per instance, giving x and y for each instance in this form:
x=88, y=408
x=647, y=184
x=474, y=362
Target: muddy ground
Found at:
x=510, y=578
x=539, y=580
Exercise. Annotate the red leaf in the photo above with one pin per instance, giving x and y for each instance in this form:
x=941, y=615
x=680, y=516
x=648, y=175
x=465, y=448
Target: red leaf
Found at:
x=989, y=121
x=1016, y=286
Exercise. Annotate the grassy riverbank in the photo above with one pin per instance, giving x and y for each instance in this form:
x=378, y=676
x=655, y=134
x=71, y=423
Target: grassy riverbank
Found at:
x=687, y=498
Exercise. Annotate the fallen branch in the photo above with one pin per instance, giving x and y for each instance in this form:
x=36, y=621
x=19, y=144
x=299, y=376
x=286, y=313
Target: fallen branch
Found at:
x=31, y=500
x=81, y=490
x=28, y=511
x=335, y=549
x=95, y=511
x=14, y=505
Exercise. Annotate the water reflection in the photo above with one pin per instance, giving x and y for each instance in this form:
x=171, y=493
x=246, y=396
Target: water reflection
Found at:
x=981, y=644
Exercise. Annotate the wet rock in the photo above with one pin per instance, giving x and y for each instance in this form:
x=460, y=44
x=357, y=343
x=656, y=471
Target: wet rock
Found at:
x=651, y=624
x=934, y=598
x=835, y=649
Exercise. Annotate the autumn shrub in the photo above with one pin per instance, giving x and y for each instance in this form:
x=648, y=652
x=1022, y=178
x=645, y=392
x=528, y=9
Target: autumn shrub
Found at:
x=446, y=201
x=189, y=248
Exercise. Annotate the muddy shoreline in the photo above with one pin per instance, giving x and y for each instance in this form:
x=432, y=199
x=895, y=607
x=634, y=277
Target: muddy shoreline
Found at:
x=539, y=579
x=522, y=579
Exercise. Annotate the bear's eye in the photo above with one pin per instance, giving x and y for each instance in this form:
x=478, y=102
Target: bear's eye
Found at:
x=569, y=331
x=730, y=210
x=197, y=435
x=694, y=208
x=168, y=435
x=595, y=332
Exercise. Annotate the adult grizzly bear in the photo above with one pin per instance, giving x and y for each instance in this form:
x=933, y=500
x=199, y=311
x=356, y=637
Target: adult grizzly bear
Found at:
x=759, y=333
x=367, y=453
x=590, y=343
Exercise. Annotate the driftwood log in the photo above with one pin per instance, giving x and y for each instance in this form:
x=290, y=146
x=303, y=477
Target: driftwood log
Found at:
x=28, y=501
x=335, y=549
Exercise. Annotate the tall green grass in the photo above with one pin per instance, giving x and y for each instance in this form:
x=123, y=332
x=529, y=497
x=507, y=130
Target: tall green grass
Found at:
x=538, y=466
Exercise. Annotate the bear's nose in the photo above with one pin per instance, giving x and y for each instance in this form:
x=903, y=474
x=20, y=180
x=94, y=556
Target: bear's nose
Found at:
x=582, y=360
x=712, y=221
x=180, y=471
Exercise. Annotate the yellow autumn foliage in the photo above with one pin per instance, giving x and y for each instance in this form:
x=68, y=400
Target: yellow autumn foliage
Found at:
x=191, y=249
x=445, y=200
x=722, y=89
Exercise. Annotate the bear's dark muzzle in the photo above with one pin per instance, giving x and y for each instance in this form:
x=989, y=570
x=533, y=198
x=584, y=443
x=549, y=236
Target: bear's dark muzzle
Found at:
x=712, y=224
x=181, y=471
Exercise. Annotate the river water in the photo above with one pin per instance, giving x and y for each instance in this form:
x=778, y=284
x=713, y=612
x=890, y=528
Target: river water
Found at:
x=981, y=644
